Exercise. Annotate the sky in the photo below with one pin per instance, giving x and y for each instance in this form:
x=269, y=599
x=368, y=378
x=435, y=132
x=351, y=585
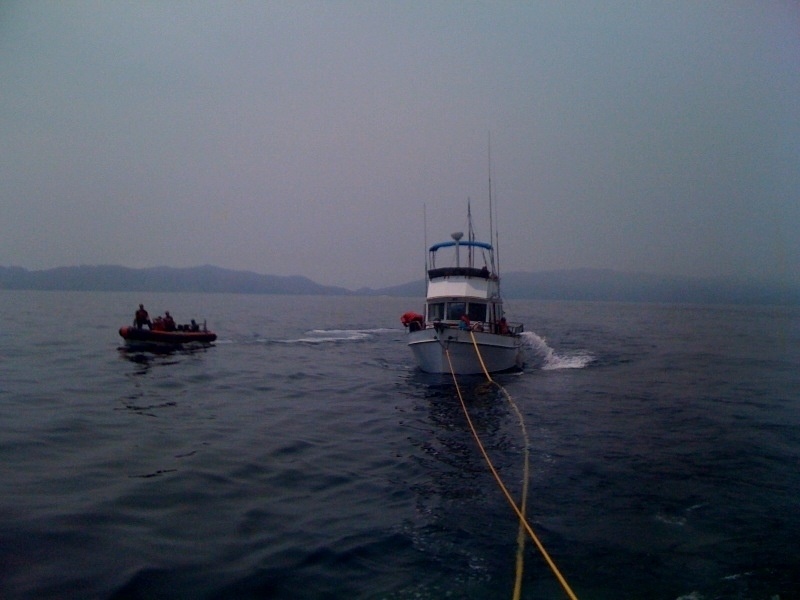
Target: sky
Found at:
x=335, y=139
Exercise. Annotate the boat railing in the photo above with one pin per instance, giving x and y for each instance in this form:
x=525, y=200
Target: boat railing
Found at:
x=515, y=328
x=478, y=326
x=459, y=272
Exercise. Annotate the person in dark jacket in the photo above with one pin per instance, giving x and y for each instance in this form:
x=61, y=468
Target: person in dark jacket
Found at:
x=141, y=318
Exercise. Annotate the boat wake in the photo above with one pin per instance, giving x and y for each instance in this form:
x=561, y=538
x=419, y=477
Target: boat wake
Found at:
x=538, y=352
x=327, y=336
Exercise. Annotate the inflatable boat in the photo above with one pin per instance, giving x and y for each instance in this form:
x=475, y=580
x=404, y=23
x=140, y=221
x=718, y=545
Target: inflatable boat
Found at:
x=168, y=338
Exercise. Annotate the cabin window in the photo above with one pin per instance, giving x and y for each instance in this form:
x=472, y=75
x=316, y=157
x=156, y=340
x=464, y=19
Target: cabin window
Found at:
x=455, y=310
x=435, y=311
x=477, y=312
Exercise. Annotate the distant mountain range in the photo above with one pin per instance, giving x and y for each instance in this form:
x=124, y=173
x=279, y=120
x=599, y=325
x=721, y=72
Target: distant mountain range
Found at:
x=206, y=279
x=577, y=284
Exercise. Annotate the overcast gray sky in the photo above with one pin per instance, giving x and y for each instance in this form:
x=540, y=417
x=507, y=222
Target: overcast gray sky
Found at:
x=306, y=137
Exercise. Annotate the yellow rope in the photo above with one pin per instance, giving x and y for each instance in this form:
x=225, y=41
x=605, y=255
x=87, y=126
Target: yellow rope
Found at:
x=525, y=474
x=520, y=512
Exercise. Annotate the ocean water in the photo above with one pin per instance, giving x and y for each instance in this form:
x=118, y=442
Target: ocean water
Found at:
x=304, y=456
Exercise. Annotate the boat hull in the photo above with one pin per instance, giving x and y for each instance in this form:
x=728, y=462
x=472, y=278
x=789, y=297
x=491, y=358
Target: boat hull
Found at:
x=166, y=338
x=431, y=349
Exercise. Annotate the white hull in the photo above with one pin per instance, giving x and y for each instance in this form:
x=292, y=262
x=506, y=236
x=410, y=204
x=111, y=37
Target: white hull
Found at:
x=431, y=349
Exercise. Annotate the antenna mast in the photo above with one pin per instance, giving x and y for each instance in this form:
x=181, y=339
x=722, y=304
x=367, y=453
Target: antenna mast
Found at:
x=470, y=234
x=425, y=238
x=492, y=234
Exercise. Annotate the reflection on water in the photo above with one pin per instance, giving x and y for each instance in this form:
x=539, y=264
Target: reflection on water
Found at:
x=454, y=490
x=159, y=355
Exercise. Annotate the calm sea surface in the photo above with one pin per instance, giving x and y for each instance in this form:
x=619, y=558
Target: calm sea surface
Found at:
x=304, y=456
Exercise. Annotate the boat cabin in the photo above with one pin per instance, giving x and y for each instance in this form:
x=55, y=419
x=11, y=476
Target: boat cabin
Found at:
x=458, y=290
x=463, y=330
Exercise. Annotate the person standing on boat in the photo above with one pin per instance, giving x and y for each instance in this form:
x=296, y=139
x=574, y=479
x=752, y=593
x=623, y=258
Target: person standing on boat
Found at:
x=464, y=324
x=169, y=322
x=502, y=327
x=141, y=318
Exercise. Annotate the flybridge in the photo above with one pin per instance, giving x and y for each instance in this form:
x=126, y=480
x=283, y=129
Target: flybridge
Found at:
x=469, y=270
x=462, y=281
x=483, y=245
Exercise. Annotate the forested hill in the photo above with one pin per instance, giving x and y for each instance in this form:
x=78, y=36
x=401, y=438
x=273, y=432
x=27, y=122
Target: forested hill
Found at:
x=160, y=279
x=577, y=284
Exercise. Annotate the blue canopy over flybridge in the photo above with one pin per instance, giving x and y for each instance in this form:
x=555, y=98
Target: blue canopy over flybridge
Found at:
x=483, y=245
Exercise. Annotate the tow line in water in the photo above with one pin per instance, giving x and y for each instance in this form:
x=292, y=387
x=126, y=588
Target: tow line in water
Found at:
x=524, y=526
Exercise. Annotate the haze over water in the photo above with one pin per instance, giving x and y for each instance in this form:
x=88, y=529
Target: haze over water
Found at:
x=298, y=138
